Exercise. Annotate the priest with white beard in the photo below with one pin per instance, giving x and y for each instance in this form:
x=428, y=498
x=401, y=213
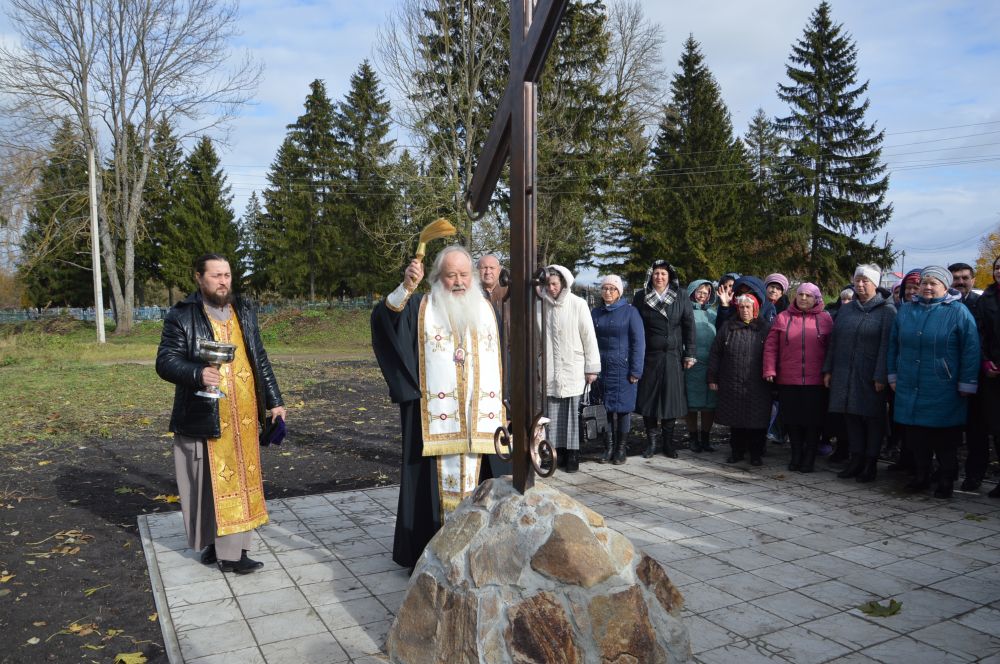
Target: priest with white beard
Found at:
x=440, y=356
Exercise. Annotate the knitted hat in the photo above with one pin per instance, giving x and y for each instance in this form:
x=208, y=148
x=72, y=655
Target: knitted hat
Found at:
x=913, y=276
x=613, y=280
x=872, y=273
x=779, y=279
x=812, y=289
x=938, y=272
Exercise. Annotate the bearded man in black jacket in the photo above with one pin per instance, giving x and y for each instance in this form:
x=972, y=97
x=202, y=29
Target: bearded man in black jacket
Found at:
x=216, y=440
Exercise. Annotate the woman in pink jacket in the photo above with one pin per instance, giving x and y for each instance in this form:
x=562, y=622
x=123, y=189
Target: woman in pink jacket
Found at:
x=793, y=358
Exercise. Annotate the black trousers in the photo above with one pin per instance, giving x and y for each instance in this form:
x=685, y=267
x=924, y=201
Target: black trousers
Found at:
x=977, y=440
x=805, y=437
x=928, y=442
x=748, y=440
x=865, y=434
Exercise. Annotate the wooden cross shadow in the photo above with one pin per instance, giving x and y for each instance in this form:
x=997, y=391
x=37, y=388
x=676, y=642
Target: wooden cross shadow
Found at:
x=513, y=133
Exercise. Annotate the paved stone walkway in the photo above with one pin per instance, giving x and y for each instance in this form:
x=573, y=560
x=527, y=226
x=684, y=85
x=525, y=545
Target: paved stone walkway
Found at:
x=772, y=565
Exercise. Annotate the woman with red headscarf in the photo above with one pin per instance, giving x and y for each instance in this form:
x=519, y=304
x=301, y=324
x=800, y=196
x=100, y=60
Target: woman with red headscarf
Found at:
x=735, y=371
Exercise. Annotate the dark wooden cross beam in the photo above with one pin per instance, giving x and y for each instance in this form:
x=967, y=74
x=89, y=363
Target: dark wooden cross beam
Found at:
x=532, y=30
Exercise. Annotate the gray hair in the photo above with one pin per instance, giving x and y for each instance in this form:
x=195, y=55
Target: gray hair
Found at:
x=489, y=255
x=439, y=260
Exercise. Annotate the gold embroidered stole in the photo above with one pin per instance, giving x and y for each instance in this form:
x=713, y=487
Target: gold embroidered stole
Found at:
x=234, y=457
x=461, y=382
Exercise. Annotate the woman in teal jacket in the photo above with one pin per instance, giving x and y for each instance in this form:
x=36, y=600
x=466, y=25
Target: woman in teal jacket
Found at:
x=699, y=398
x=933, y=365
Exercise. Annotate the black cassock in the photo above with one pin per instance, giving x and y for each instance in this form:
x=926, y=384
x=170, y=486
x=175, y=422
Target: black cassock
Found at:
x=418, y=515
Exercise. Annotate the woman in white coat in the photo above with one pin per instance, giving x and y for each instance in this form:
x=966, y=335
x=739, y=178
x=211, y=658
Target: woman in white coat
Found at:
x=572, y=361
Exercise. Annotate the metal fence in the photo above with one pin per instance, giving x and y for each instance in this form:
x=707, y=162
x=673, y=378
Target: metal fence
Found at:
x=157, y=313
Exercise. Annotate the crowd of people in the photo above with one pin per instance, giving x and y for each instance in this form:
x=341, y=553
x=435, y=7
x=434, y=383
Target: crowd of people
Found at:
x=905, y=375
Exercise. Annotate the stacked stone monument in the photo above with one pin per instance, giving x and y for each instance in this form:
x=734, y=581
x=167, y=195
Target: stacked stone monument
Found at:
x=537, y=577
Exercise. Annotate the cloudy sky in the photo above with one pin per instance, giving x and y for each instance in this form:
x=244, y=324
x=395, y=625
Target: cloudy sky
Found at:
x=932, y=65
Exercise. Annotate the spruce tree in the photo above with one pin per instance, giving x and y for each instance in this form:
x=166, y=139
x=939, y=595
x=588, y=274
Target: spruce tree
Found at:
x=302, y=200
x=772, y=243
x=281, y=264
x=691, y=210
x=575, y=121
x=201, y=219
x=461, y=68
x=55, y=265
x=252, y=228
x=361, y=125
x=835, y=176
x=165, y=170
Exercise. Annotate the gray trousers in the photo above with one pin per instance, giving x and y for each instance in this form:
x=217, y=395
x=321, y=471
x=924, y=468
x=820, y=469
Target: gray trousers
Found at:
x=194, y=486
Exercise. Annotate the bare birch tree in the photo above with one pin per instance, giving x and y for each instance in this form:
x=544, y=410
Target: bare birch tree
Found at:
x=117, y=67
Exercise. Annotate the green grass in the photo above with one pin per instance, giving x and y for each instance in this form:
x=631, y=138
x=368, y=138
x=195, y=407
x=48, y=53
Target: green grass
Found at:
x=58, y=383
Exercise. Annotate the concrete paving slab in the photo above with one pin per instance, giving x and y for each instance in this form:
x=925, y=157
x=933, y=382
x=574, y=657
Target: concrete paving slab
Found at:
x=773, y=565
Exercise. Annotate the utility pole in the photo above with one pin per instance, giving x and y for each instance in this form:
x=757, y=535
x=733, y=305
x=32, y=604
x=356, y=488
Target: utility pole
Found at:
x=95, y=254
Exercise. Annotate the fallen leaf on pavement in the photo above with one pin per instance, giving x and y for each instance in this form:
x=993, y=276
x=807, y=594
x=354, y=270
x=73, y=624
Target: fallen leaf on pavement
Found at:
x=40, y=623
x=873, y=608
x=153, y=617
x=33, y=640
x=167, y=499
x=6, y=577
x=44, y=463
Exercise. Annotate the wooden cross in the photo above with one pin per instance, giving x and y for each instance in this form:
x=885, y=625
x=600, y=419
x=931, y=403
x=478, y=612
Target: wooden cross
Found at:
x=532, y=31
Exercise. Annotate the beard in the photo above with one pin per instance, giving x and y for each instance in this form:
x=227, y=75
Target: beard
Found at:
x=462, y=308
x=217, y=300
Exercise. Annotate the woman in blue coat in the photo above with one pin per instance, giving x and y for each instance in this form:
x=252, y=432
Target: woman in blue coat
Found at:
x=933, y=367
x=622, y=344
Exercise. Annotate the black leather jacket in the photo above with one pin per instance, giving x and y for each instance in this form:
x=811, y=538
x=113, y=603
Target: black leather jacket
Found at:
x=194, y=416
x=987, y=311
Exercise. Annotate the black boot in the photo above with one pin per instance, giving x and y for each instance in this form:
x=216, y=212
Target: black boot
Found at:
x=572, y=461
x=621, y=440
x=808, y=458
x=668, y=441
x=208, y=556
x=795, y=462
x=869, y=471
x=994, y=492
x=921, y=481
x=561, y=457
x=652, y=435
x=694, y=442
x=706, y=442
x=839, y=452
x=242, y=566
x=944, y=489
x=609, y=445
x=618, y=458
x=854, y=467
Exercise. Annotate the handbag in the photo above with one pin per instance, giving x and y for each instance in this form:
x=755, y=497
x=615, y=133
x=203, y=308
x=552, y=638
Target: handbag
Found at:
x=593, y=420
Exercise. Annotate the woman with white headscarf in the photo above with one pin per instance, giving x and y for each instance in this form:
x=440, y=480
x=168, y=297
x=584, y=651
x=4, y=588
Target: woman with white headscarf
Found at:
x=855, y=371
x=572, y=361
